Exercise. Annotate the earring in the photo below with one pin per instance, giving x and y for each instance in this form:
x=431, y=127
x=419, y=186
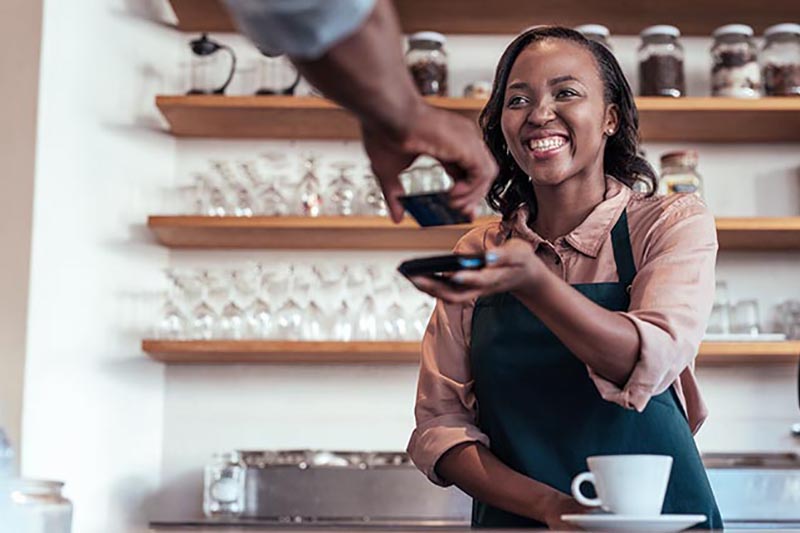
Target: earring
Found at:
x=609, y=132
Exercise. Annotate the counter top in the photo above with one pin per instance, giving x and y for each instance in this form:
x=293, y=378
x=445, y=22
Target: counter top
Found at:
x=299, y=529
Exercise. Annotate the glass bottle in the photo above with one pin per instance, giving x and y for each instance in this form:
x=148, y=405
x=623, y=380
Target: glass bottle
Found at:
x=33, y=506
x=224, y=485
x=427, y=60
x=734, y=70
x=595, y=32
x=780, y=60
x=661, y=62
x=6, y=456
x=679, y=173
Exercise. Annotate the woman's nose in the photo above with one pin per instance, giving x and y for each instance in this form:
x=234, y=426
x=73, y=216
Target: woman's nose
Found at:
x=541, y=114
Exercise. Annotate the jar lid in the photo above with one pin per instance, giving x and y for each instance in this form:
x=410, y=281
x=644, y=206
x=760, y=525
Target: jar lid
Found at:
x=661, y=29
x=680, y=157
x=433, y=36
x=786, y=27
x=594, y=29
x=738, y=29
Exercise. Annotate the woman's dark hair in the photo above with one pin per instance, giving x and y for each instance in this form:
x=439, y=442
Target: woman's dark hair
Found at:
x=621, y=158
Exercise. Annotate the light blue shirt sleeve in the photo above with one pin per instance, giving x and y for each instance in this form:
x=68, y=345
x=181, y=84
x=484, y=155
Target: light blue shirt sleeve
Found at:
x=303, y=29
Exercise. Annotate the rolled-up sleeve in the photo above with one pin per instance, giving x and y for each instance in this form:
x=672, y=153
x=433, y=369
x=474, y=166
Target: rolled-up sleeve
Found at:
x=303, y=29
x=671, y=299
x=446, y=406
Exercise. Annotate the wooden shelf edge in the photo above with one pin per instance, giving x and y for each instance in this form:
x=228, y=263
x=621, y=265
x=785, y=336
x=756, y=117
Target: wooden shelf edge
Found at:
x=328, y=352
x=380, y=233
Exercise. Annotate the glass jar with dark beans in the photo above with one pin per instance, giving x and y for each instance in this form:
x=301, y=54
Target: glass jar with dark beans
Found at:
x=780, y=60
x=427, y=60
x=661, y=62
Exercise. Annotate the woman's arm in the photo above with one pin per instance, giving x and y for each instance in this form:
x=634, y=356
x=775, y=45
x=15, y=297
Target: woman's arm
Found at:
x=604, y=340
x=479, y=473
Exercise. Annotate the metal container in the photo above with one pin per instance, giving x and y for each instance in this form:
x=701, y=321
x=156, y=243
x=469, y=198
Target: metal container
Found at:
x=301, y=486
x=756, y=490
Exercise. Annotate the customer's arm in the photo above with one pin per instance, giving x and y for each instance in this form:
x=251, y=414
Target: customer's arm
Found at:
x=363, y=69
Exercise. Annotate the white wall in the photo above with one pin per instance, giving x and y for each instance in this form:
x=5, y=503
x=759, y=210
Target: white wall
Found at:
x=210, y=409
x=93, y=402
x=20, y=23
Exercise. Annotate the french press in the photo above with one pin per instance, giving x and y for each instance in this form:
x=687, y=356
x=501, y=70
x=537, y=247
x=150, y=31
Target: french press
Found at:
x=208, y=66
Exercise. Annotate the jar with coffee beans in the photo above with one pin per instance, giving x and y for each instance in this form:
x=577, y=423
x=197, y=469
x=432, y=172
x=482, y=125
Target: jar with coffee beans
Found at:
x=661, y=62
x=427, y=61
x=780, y=60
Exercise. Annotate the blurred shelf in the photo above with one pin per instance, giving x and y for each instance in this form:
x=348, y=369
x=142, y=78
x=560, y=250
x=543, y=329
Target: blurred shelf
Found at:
x=623, y=17
x=759, y=233
x=302, y=233
x=694, y=119
x=255, y=351
x=379, y=233
x=726, y=353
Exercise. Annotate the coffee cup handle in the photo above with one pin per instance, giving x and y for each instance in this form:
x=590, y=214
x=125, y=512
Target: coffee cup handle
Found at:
x=576, y=490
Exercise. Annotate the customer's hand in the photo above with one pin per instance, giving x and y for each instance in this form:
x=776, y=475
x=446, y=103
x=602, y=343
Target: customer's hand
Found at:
x=562, y=505
x=510, y=267
x=452, y=139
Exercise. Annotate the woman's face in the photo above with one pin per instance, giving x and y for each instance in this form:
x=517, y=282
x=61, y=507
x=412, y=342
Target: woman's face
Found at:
x=554, y=116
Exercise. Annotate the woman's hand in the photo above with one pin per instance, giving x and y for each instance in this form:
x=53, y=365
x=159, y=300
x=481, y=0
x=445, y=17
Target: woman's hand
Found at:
x=510, y=267
x=562, y=505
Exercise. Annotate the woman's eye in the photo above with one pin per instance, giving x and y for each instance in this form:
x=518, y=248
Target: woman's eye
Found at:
x=517, y=100
x=566, y=93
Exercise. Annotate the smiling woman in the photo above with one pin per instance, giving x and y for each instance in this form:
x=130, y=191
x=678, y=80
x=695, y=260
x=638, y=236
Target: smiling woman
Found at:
x=578, y=337
x=582, y=71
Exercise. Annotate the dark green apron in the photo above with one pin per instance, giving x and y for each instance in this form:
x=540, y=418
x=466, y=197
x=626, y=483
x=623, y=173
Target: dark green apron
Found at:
x=544, y=415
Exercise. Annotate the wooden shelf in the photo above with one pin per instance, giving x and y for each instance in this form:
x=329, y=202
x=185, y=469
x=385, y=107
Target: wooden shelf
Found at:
x=759, y=233
x=253, y=351
x=227, y=352
x=726, y=353
x=623, y=17
x=695, y=119
x=302, y=233
x=379, y=233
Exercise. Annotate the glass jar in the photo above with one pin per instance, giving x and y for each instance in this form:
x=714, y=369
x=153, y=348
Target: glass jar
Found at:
x=223, y=494
x=661, y=62
x=735, y=70
x=427, y=61
x=596, y=32
x=679, y=173
x=780, y=60
x=33, y=506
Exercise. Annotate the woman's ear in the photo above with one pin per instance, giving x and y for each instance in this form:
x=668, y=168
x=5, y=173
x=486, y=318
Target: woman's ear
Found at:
x=611, y=122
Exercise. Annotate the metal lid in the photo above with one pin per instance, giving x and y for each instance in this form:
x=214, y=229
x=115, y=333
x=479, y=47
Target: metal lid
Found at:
x=786, y=27
x=679, y=157
x=594, y=29
x=738, y=29
x=432, y=36
x=661, y=29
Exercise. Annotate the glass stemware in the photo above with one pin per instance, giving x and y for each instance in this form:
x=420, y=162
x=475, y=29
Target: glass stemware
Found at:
x=307, y=192
x=373, y=202
x=341, y=191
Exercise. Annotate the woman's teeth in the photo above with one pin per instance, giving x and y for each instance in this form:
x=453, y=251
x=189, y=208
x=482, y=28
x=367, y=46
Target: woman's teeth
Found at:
x=547, y=143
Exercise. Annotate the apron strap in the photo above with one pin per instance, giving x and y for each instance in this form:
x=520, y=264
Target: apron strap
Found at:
x=623, y=254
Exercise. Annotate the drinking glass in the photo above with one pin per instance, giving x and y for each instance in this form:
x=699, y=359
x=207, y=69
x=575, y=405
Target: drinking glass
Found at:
x=746, y=317
x=341, y=191
x=307, y=197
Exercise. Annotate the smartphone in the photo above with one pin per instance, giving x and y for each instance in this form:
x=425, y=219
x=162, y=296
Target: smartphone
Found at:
x=432, y=209
x=438, y=265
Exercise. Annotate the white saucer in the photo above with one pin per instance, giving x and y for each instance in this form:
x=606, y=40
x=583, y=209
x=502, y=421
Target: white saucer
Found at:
x=665, y=523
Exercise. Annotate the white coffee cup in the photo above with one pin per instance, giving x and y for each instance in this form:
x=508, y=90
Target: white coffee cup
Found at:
x=632, y=485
